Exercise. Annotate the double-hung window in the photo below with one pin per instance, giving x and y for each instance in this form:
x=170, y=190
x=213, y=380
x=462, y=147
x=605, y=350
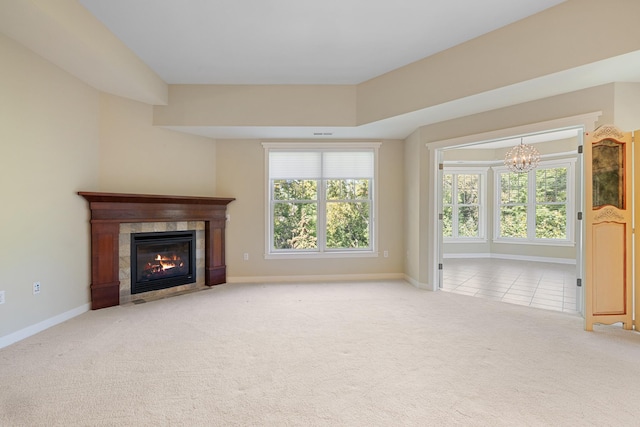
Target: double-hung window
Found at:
x=464, y=204
x=536, y=206
x=320, y=198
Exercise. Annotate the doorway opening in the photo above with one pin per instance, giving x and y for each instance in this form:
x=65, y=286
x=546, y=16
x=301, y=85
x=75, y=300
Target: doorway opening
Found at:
x=513, y=237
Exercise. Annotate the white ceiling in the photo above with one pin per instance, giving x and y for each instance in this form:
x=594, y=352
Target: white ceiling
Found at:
x=297, y=41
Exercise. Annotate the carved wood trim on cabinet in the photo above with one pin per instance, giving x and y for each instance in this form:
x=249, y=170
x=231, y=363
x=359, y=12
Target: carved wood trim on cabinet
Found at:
x=109, y=210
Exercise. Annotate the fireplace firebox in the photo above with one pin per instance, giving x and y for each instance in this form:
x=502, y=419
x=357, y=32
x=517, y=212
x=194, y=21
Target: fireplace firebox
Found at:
x=162, y=260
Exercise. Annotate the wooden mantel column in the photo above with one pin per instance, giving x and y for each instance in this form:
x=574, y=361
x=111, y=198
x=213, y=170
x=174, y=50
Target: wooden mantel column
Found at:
x=109, y=210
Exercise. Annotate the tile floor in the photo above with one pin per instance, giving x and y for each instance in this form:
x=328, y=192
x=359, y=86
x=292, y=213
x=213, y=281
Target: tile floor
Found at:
x=535, y=284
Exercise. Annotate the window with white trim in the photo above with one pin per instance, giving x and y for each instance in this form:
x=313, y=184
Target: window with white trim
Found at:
x=464, y=204
x=535, y=206
x=321, y=198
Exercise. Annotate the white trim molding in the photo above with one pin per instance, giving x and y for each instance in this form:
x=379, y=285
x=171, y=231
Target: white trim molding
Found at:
x=7, y=340
x=588, y=121
x=493, y=255
x=316, y=278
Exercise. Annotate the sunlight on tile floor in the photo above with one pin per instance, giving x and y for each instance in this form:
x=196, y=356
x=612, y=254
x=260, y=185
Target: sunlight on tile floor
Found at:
x=535, y=284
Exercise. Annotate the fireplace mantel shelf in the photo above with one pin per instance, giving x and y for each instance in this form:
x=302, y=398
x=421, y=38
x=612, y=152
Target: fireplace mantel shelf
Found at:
x=153, y=198
x=109, y=210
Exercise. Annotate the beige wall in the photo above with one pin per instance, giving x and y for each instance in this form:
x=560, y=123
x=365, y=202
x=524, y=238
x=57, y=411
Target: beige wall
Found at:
x=599, y=98
x=136, y=157
x=49, y=131
x=59, y=137
x=418, y=184
x=68, y=35
x=575, y=33
x=241, y=174
x=258, y=105
x=412, y=195
x=627, y=106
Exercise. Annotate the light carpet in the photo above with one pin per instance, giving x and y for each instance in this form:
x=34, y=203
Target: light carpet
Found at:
x=323, y=354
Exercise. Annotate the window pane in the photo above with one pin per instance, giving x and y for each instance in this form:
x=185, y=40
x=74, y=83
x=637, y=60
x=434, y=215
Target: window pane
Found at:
x=321, y=198
x=347, y=189
x=468, y=189
x=347, y=225
x=294, y=226
x=447, y=221
x=294, y=189
x=551, y=222
x=468, y=221
x=551, y=185
x=447, y=186
x=513, y=221
x=513, y=187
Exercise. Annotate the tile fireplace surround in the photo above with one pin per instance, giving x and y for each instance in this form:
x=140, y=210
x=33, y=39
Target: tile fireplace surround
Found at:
x=147, y=227
x=110, y=210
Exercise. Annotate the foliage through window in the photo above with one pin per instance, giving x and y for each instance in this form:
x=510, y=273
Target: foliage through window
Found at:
x=320, y=200
x=535, y=205
x=463, y=204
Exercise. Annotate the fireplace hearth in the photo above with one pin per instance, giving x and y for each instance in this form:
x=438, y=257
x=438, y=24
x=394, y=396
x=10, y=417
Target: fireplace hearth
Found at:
x=162, y=260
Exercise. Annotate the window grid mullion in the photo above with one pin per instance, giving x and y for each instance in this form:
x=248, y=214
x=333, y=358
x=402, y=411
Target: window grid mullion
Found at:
x=531, y=205
x=454, y=205
x=322, y=214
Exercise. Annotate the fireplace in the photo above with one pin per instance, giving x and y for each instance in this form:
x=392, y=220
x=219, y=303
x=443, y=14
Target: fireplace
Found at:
x=162, y=260
x=111, y=211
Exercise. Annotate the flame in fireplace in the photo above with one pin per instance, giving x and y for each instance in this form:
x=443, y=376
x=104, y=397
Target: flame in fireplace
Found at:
x=162, y=265
x=167, y=263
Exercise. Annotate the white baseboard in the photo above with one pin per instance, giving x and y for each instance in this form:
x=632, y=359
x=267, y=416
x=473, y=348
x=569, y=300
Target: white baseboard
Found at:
x=513, y=257
x=41, y=326
x=470, y=255
x=417, y=284
x=315, y=278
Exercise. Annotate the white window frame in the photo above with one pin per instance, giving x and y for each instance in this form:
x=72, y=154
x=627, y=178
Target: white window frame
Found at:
x=321, y=251
x=482, y=210
x=531, y=205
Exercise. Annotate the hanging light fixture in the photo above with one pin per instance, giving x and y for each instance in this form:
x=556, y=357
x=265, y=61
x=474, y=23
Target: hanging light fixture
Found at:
x=522, y=158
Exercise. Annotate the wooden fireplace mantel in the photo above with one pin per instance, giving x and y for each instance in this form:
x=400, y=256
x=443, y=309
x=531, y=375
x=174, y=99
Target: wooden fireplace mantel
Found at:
x=109, y=210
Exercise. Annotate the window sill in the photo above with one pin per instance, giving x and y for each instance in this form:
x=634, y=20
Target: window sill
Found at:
x=464, y=240
x=566, y=243
x=322, y=255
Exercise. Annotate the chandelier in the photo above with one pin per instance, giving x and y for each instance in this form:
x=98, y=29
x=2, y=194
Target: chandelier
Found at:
x=522, y=158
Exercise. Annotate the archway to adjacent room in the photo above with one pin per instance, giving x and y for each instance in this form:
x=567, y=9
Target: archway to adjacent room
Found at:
x=489, y=261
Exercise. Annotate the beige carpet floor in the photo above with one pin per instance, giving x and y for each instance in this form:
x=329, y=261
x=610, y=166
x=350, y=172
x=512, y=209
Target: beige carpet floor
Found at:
x=330, y=354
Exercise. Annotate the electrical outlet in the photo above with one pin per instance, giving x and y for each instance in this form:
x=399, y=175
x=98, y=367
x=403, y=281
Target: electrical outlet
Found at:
x=1, y=297
x=36, y=288
x=245, y=256
x=386, y=254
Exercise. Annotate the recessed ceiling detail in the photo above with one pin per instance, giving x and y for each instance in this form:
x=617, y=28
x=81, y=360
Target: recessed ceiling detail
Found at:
x=297, y=42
